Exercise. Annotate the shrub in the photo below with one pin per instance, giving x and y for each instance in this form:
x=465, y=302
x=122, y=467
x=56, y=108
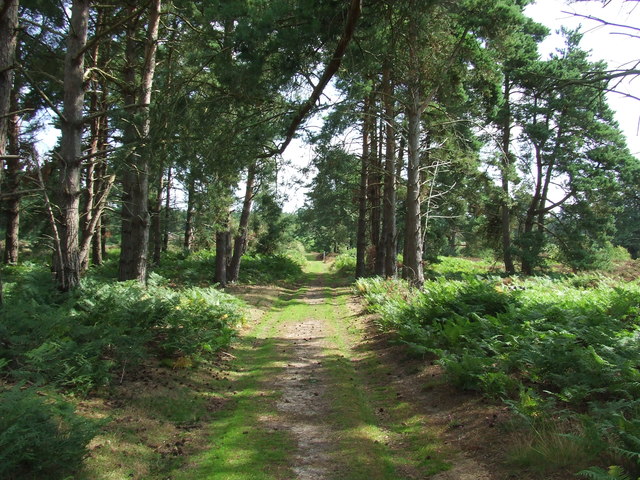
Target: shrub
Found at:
x=77, y=341
x=40, y=436
x=619, y=254
x=268, y=269
x=457, y=266
x=345, y=263
x=203, y=321
x=193, y=268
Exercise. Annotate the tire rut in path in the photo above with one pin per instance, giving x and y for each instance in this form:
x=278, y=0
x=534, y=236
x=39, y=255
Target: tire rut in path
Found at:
x=304, y=406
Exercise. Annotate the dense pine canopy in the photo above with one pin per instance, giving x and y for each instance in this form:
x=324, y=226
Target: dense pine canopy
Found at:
x=449, y=134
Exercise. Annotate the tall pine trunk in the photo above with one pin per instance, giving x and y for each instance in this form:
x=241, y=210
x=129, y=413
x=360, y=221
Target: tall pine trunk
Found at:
x=156, y=216
x=373, y=184
x=68, y=267
x=188, y=226
x=504, y=173
x=530, y=243
x=8, y=41
x=381, y=248
x=389, y=200
x=11, y=198
x=98, y=237
x=222, y=248
x=240, y=241
x=97, y=184
x=135, y=209
x=413, y=269
x=361, y=240
x=167, y=212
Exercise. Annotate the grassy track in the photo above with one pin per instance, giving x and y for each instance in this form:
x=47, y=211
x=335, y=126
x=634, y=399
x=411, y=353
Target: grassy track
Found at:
x=305, y=403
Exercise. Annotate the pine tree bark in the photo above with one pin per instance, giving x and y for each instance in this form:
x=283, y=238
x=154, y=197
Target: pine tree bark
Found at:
x=389, y=200
x=167, y=212
x=11, y=198
x=156, y=224
x=530, y=246
x=240, y=241
x=504, y=172
x=534, y=237
x=188, y=227
x=68, y=267
x=96, y=250
x=221, y=258
x=8, y=41
x=413, y=269
x=361, y=240
x=373, y=182
x=98, y=239
x=381, y=248
x=97, y=184
x=135, y=208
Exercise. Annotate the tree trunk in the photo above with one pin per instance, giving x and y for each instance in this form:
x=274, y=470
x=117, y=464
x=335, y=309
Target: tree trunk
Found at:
x=188, y=227
x=381, y=248
x=413, y=269
x=504, y=173
x=361, y=241
x=530, y=243
x=12, y=197
x=167, y=213
x=8, y=36
x=96, y=250
x=98, y=185
x=373, y=195
x=98, y=236
x=389, y=200
x=221, y=258
x=156, y=224
x=240, y=241
x=135, y=208
x=68, y=267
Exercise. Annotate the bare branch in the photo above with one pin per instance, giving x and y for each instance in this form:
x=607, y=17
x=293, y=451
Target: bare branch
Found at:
x=41, y=93
x=602, y=21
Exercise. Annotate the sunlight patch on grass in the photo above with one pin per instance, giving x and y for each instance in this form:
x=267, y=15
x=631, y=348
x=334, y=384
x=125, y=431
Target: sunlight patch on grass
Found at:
x=384, y=437
x=244, y=447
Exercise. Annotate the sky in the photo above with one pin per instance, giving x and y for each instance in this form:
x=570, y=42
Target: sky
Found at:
x=605, y=43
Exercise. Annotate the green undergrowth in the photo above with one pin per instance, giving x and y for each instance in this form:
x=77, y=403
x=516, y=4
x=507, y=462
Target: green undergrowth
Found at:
x=345, y=263
x=78, y=341
x=198, y=268
x=41, y=436
x=451, y=267
x=82, y=343
x=265, y=270
x=552, y=348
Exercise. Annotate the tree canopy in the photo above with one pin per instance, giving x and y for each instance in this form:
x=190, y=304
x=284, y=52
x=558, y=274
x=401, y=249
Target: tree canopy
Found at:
x=462, y=139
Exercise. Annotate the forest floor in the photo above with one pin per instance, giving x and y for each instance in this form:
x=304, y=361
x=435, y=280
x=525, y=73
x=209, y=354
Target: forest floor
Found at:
x=311, y=390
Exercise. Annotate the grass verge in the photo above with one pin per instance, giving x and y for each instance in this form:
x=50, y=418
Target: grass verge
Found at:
x=384, y=438
x=242, y=445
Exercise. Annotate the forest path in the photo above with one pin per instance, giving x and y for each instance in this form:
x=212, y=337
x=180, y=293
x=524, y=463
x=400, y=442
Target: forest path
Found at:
x=310, y=397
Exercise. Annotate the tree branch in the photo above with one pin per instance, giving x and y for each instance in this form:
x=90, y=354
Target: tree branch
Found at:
x=41, y=93
x=332, y=67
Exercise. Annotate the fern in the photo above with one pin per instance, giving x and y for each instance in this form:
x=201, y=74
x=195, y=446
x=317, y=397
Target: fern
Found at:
x=614, y=473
